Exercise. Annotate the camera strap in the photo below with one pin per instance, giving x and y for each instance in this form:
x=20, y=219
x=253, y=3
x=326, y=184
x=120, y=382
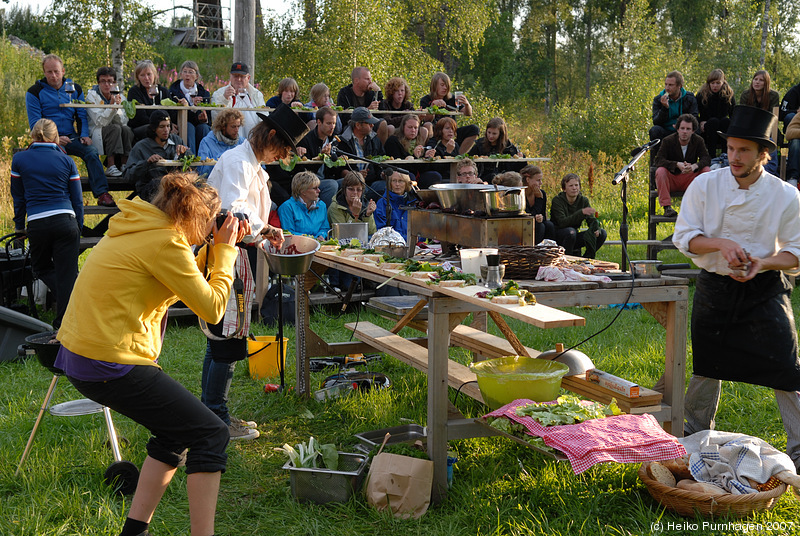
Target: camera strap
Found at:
x=238, y=297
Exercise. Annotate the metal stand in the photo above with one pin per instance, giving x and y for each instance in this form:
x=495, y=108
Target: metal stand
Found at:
x=622, y=176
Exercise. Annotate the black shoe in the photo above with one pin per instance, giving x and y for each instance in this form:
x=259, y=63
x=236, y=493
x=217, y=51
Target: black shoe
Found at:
x=670, y=212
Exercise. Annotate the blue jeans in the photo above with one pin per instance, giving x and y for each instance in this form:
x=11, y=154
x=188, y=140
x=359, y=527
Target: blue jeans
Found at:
x=793, y=162
x=195, y=134
x=88, y=153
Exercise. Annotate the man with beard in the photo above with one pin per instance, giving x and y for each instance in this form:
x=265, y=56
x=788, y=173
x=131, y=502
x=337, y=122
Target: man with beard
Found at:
x=741, y=225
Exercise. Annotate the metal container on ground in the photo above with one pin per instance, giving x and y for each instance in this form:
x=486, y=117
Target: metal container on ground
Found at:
x=408, y=434
x=323, y=485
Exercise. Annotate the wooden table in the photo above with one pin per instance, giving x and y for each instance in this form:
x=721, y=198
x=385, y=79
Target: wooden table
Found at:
x=666, y=299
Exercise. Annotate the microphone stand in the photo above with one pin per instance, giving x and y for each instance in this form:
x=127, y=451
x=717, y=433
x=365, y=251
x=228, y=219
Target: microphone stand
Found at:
x=622, y=176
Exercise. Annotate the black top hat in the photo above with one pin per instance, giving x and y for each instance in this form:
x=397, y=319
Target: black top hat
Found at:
x=751, y=123
x=287, y=123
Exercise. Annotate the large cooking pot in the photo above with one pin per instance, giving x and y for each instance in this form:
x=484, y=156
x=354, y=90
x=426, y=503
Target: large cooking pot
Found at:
x=294, y=257
x=427, y=196
x=652, y=269
x=461, y=197
x=505, y=200
x=351, y=230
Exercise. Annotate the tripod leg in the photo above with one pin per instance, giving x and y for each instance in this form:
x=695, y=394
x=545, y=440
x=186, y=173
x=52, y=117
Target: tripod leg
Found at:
x=45, y=404
x=112, y=435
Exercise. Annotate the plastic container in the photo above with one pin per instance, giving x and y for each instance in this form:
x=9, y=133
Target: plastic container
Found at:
x=323, y=485
x=473, y=259
x=509, y=378
x=262, y=355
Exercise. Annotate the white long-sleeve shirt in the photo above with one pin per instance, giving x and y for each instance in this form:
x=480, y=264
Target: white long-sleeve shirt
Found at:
x=254, y=99
x=764, y=219
x=102, y=117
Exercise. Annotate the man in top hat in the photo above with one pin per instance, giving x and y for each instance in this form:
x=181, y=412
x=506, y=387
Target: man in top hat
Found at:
x=243, y=188
x=741, y=225
x=239, y=93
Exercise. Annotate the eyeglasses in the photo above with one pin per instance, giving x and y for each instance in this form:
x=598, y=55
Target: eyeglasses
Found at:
x=465, y=173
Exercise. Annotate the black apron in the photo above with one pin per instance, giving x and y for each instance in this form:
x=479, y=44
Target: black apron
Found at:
x=745, y=332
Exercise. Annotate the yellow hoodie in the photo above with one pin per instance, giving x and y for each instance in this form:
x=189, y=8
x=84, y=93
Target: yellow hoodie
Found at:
x=141, y=267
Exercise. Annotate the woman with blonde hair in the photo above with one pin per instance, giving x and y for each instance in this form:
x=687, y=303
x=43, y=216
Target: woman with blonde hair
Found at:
x=46, y=188
x=759, y=94
x=305, y=213
x=110, y=343
x=494, y=142
x=441, y=96
x=715, y=102
x=147, y=91
x=320, y=97
x=189, y=89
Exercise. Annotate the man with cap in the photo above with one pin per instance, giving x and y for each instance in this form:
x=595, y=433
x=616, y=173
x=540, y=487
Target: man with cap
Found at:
x=160, y=144
x=239, y=93
x=741, y=225
x=359, y=139
x=242, y=185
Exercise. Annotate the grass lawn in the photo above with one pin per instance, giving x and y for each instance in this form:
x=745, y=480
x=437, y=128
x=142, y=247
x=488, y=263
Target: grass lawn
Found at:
x=500, y=487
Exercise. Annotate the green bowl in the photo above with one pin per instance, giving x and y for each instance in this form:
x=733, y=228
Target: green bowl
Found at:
x=509, y=378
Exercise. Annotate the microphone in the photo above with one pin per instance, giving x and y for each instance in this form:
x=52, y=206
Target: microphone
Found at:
x=335, y=149
x=646, y=147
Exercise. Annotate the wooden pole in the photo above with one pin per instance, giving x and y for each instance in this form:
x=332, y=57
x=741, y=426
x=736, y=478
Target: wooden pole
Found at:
x=244, y=34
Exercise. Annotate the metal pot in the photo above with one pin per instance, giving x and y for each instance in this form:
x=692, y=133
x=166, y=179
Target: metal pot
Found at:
x=652, y=269
x=427, y=196
x=505, y=199
x=292, y=260
x=461, y=197
x=351, y=230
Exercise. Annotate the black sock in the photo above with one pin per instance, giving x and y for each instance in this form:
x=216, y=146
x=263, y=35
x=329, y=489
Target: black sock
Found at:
x=133, y=527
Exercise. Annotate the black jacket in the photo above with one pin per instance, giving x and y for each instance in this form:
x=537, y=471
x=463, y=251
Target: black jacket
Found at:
x=176, y=94
x=313, y=146
x=661, y=116
x=715, y=107
x=372, y=147
x=671, y=153
x=790, y=102
x=142, y=117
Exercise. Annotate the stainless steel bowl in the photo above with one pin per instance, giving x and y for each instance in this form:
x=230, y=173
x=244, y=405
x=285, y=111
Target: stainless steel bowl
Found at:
x=393, y=251
x=505, y=199
x=292, y=260
x=461, y=197
x=427, y=196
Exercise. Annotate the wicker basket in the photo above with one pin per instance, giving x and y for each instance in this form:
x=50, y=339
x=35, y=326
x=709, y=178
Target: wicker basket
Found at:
x=691, y=503
x=522, y=262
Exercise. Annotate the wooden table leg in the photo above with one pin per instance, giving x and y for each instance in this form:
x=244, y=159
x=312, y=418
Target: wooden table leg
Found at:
x=675, y=364
x=438, y=358
x=183, y=119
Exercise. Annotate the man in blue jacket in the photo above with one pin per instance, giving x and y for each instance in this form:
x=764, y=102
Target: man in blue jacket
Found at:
x=669, y=105
x=43, y=100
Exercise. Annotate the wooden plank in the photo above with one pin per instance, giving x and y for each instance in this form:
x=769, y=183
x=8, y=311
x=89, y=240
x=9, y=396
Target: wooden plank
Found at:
x=511, y=337
x=409, y=316
x=415, y=355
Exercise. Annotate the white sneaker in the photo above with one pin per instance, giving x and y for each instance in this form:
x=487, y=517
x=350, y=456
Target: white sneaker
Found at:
x=113, y=171
x=237, y=431
x=246, y=424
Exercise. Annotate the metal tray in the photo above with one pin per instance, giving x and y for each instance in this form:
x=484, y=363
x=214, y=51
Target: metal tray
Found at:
x=323, y=485
x=408, y=433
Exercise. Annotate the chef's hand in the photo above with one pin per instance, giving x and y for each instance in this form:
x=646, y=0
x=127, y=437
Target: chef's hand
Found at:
x=753, y=268
x=274, y=235
x=732, y=252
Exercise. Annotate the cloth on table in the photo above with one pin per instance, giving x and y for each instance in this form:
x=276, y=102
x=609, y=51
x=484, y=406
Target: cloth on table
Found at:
x=723, y=458
x=555, y=273
x=619, y=438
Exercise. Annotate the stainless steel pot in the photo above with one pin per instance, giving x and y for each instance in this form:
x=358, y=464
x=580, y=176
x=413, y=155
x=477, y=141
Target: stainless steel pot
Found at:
x=351, y=230
x=652, y=269
x=505, y=199
x=461, y=197
x=295, y=256
x=427, y=196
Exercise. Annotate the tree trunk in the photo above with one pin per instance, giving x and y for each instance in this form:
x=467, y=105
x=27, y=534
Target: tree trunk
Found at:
x=764, y=33
x=310, y=14
x=259, y=21
x=244, y=34
x=117, y=43
x=588, y=44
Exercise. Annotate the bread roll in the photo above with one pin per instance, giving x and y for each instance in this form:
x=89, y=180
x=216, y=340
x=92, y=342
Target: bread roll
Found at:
x=678, y=467
x=661, y=474
x=700, y=487
x=505, y=299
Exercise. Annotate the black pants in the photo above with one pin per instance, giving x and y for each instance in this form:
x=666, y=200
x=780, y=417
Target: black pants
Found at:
x=185, y=432
x=55, y=244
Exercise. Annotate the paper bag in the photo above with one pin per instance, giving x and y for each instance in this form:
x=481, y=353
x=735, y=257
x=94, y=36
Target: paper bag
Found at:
x=401, y=483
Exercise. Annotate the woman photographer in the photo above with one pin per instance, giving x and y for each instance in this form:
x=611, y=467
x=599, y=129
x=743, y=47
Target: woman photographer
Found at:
x=110, y=343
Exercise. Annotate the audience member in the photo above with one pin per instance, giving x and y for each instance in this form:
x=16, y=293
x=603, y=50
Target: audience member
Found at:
x=399, y=186
x=243, y=187
x=397, y=98
x=359, y=139
x=350, y=205
x=190, y=90
x=441, y=96
x=789, y=105
x=407, y=143
x=683, y=156
x=715, y=102
x=362, y=92
x=317, y=142
x=669, y=104
x=304, y=213
x=494, y=142
x=793, y=162
x=239, y=93
x=320, y=96
x=43, y=101
x=160, y=144
x=224, y=136
x=444, y=134
x=759, y=94
x=570, y=209
x=536, y=203
x=508, y=178
x=46, y=188
x=109, y=128
x=147, y=91
x=467, y=172
x=288, y=91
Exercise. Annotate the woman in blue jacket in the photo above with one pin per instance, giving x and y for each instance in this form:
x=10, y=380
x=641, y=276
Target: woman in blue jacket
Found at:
x=399, y=186
x=46, y=187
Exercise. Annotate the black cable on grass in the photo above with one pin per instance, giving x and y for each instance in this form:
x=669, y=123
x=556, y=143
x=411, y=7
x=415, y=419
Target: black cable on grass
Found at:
x=458, y=391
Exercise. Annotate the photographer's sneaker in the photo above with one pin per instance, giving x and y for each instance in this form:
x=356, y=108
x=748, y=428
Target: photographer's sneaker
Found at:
x=239, y=432
x=113, y=171
x=246, y=424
